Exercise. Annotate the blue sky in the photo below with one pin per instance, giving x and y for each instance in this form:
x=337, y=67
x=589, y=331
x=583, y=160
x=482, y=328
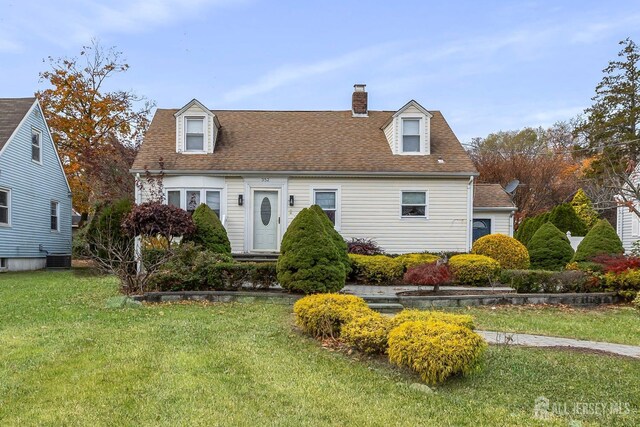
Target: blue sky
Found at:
x=488, y=66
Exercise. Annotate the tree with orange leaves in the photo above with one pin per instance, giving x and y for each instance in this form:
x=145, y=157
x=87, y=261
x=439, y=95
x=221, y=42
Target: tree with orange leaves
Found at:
x=97, y=132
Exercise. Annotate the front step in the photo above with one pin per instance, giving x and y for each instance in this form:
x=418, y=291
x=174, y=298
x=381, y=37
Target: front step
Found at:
x=255, y=257
x=384, y=307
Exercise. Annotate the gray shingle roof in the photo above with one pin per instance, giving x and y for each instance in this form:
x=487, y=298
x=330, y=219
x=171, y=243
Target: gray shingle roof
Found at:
x=12, y=110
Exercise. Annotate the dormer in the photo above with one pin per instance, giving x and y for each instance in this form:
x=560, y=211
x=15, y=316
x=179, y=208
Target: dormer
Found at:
x=196, y=129
x=408, y=131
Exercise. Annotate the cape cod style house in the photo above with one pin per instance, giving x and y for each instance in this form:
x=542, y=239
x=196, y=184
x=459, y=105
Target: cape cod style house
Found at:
x=399, y=177
x=35, y=198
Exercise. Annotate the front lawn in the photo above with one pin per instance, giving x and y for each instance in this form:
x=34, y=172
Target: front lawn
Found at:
x=617, y=324
x=65, y=359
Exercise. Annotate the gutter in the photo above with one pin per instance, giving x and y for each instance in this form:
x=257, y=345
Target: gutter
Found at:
x=503, y=209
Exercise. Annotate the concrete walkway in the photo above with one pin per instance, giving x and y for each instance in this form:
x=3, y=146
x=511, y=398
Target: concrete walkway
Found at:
x=370, y=290
x=509, y=338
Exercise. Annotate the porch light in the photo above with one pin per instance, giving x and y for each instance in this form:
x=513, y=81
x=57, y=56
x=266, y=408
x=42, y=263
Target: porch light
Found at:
x=240, y=199
x=292, y=200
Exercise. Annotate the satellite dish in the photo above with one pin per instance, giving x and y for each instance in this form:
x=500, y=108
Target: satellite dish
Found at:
x=511, y=186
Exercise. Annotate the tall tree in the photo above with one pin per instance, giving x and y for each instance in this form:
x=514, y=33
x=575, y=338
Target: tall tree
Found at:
x=97, y=131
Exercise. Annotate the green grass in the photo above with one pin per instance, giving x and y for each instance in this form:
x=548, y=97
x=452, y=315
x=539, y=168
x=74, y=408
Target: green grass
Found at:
x=65, y=359
x=616, y=324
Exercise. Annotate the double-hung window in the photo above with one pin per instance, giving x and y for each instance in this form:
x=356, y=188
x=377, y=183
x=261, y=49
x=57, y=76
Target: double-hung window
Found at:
x=193, y=199
x=411, y=135
x=5, y=207
x=328, y=201
x=173, y=198
x=55, y=215
x=36, y=145
x=414, y=204
x=212, y=199
x=194, y=135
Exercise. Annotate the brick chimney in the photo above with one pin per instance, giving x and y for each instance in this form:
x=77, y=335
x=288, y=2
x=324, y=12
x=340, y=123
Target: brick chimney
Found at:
x=359, y=101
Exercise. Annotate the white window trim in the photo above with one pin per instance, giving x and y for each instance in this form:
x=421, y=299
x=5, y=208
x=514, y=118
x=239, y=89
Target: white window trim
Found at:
x=57, y=229
x=39, y=133
x=426, y=207
x=338, y=191
x=203, y=197
x=8, y=191
x=205, y=134
x=421, y=126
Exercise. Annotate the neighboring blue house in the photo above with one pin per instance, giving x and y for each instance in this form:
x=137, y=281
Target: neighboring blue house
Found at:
x=35, y=198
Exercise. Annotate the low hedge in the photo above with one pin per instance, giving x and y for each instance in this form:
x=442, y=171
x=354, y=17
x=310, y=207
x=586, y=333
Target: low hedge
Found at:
x=376, y=269
x=533, y=281
x=411, y=260
x=410, y=315
x=368, y=333
x=435, y=350
x=323, y=315
x=475, y=270
x=626, y=283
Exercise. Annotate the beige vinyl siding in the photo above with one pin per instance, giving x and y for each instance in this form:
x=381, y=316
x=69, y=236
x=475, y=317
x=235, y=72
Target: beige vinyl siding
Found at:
x=500, y=220
x=393, y=130
x=211, y=132
x=370, y=208
x=626, y=229
x=235, y=221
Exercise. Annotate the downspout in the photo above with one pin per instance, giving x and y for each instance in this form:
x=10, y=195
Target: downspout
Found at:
x=511, y=219
x=469, y=213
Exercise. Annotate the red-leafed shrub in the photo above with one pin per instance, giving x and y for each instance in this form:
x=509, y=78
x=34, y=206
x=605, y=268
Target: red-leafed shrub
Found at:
x=157, y=219
x=433, y=274
x=363, y=247
x=617, y=263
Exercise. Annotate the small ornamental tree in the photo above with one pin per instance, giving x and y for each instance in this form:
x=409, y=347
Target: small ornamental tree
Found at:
x=337, y=239
x=155, y=219
x=602, y=239
x=583, y=207
x=510, y=253
x=565, y=219
x=309, y=261
x=209, y=231
x=549, y=248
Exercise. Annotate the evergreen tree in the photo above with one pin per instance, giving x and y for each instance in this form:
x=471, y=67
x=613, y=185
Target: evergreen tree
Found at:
x=549, y=248
x=565, y=218
x=583, y=207
x=602, y=239
x=209, y=233
x=336, y=237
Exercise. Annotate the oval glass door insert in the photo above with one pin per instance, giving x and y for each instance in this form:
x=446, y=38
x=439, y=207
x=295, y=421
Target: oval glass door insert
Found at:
x=265, y=211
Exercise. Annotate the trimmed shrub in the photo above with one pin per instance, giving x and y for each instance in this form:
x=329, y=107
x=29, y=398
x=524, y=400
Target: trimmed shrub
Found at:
x=533, y=281
x=509, y=252
x=264, y=275
x=367, y=333
x=602, y=239
x=209, y=231
x=471, y=269
x=433, y=274
x=309, y=261
x=324, y=315
x=565, y=218
x=627, y=283
x=411, y=260
x=529, y=226
x=376, y=269
x=583, y=207
x=362, y=246
x=337, y=239
x=549, y=248
x=435, y=350
x=411, y=315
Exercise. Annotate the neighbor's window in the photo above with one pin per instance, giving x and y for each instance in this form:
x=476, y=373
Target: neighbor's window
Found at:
x=327, y=200
x=173, y=198
x=213, y=201
x=4, y=207
x=3, y=263
x=414, y=204
x=195, y=134
x=55, y=208
x=411, y=135
x=36, y=145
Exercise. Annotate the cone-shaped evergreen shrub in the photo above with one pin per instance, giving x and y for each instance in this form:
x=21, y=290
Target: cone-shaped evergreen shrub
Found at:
x=210, y=233
x=337, y=239
x=583, y=207
x=565, y=218
x=529, y=227
x=309, y=261
x=602, y=239
x=549, y=248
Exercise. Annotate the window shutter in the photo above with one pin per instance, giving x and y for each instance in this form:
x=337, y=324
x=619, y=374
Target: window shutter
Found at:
x=635, y=224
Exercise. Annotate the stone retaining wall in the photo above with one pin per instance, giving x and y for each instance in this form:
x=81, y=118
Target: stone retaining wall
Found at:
x=220, y=296
x=587, y=299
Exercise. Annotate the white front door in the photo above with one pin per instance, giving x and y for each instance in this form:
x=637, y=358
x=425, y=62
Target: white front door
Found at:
x=265, y=220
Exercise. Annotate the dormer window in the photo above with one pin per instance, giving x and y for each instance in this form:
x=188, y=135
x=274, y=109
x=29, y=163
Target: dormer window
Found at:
x=411, y=136
x=194, y=135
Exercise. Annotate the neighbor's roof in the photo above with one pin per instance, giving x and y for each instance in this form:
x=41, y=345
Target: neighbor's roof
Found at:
x=12, y=110
x=491, y=196
x=310, y=141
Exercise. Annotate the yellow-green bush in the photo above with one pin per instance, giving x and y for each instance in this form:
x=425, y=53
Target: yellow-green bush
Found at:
x=411, y=260
x=510, y=253
x=435, y=350
x=322, y=315
x=412, y=315
x=376, y=269
x=636, y=302
x=471, y=269
x=367, y=333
